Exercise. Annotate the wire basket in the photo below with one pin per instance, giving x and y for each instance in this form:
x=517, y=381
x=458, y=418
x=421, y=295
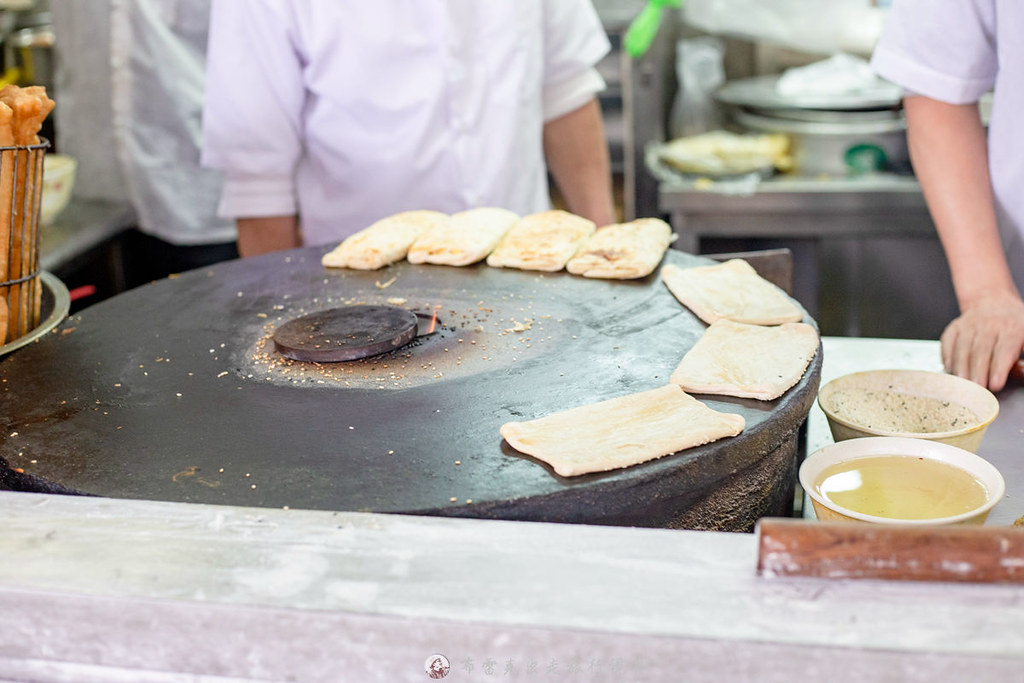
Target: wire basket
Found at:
x=21, y=190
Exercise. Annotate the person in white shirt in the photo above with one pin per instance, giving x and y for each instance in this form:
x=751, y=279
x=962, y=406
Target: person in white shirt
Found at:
x=947, y=54
x=130, y=93
x=326, y=116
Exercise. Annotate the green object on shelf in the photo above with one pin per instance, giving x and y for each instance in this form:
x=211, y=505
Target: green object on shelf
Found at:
x=865, y=158
x=644, y=28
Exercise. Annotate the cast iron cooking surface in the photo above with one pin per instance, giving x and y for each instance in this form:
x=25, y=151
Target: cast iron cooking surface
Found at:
x=172, y=391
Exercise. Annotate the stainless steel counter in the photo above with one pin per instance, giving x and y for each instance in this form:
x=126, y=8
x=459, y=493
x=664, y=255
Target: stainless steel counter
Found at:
x=867, y=206
x=95, y=589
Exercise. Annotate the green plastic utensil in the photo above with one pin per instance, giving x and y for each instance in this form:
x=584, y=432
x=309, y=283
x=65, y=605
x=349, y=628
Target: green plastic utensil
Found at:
x=642, y=30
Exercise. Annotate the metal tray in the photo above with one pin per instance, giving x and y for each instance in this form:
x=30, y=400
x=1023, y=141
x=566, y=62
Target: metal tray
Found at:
x=759, y=92
x=53, y=308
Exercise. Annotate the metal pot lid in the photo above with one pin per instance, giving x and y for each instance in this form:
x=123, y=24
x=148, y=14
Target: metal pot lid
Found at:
x=823, y=127
x=760, y=92
x=831, y=116
x=348, y=333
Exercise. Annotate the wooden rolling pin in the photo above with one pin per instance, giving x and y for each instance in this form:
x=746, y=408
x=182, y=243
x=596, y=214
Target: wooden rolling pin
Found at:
x=853, y=550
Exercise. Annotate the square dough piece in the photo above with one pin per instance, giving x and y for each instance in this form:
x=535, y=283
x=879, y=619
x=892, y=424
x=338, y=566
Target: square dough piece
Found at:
x=731, y=290
x=386, y=241
x=749, y=361
x=623, y=251
x=467, y=237
x=542, y=241
x=622, y=431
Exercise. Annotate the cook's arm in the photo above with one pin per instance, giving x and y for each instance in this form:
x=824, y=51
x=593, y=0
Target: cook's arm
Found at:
x=577, y=156
x=267, y=233
x=950, y=156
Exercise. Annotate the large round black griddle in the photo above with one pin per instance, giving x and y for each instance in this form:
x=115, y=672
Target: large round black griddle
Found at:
x=174, y=391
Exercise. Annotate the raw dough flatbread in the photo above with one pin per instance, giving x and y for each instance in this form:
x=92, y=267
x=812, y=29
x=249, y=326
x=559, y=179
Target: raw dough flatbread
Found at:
x=542, y=241
x=467, y=237
x=749, y=361
x=621, y=431
x=386, y=241
x=731, y=290
x=623, y=251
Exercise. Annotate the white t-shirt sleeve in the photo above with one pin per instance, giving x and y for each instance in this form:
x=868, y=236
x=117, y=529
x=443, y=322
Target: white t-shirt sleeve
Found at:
x=252, y=113
x=574, y=42
x=942, y=49
x=247, y=196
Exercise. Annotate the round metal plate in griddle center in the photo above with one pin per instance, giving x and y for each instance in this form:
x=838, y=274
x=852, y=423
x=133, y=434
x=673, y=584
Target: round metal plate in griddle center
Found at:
x=348, y=333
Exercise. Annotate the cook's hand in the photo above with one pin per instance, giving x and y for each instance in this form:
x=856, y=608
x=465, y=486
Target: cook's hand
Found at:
x=986, y=341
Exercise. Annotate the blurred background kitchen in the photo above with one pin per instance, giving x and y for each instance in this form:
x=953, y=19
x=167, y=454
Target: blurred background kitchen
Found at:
x=841, y=196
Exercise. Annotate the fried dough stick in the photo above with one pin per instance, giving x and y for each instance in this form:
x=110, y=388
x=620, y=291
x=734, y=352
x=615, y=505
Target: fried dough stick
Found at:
x=6, y=198
x=18, y=220
x=29, y=107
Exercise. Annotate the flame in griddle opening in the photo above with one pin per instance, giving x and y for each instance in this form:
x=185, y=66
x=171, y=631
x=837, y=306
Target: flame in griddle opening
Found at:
x=433, y=319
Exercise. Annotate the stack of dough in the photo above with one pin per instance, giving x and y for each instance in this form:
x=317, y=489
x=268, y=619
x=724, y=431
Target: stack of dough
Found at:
x=621, y=432
x=22, y=111
x=732, y=290
x=542, y=241
x=385, y=242
x=749, y=361
x=467, y=237
x=623, y=251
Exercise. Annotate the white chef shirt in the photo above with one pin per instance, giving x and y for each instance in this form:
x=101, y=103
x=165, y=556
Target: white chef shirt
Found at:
x=956, y=51
x=346, y=111
x=130, y=95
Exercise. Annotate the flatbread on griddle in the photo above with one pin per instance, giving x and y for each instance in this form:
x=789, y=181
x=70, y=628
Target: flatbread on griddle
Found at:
x=623, y=251
x=467, y=237
x=621, y=431
x=732, y=290
x=542, y=241
x=386, y=241
x=749, y=361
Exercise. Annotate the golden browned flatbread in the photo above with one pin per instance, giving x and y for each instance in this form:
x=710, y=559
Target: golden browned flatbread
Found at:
x=731, y=290
x=542, y=241
x=467, y=237
x=386, y=241
x=623, y=251
x=749, y=361
x=621, y=431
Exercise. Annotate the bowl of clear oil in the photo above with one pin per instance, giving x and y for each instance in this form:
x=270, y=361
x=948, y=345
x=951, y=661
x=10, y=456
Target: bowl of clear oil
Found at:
x=900, y=480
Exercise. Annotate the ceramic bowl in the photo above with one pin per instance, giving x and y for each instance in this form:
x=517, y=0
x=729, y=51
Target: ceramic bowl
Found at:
x=910, y=403
x=58, y=181
x=843, y=451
